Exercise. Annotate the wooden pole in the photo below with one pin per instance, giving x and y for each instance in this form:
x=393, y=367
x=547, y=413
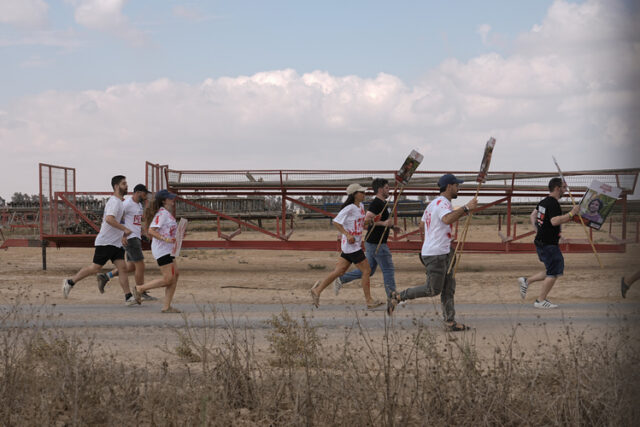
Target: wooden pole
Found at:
x=460, y=244
x=395, y=204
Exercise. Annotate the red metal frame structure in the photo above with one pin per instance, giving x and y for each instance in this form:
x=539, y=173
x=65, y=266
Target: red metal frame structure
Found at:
x=290, y=185
x=69, y=218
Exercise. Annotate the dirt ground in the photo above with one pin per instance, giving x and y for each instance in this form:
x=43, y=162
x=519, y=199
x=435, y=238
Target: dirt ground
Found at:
x=285, y=277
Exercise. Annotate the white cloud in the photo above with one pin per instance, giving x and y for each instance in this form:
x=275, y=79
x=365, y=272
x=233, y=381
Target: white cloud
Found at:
x=24, y=13
x=572, y=102
x=190, y=13
x=107, y=16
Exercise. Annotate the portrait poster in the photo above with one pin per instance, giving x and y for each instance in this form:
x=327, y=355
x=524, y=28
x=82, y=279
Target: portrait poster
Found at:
x=486, y=160
x=409, y=167
x=597, y=203
x=182, y=228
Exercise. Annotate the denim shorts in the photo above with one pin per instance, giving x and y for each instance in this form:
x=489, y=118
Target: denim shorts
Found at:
x=552, y=259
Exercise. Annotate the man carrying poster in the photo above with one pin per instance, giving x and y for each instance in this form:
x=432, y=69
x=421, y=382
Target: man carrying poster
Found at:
x=547, y=218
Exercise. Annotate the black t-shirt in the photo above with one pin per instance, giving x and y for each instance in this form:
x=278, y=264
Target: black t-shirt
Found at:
x=377, y=206
x=547, y=233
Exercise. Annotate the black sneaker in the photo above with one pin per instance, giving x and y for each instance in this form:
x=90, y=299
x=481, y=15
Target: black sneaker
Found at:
x=146, y=297
x=102, y=279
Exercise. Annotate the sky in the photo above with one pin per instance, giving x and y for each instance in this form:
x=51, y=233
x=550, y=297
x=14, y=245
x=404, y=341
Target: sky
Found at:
x=105, y=85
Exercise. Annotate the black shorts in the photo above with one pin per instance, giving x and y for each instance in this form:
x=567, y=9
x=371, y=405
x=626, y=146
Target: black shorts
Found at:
x=106, y=253
x=354, y=257
x=165, y=260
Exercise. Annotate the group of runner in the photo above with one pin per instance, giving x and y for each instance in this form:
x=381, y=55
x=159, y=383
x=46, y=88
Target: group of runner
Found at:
x=122, y=232
x=437, y=254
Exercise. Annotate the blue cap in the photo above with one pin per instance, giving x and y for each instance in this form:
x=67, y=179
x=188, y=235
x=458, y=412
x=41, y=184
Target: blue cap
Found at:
x=165, y=194
x=447, y=179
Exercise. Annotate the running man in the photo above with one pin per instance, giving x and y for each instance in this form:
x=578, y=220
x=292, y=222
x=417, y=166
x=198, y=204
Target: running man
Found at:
x=438, y=220
x=108, y=243
x=133, y=211
x=547, y=218
x=379, y=216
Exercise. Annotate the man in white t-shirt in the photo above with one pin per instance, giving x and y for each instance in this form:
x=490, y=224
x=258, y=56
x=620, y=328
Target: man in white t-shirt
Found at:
x=109, y=242
x=438, y=220
x=133, y=211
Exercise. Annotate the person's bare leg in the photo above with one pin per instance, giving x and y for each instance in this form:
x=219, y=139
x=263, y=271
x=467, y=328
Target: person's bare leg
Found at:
x=341, y=267
x=546, y=287
x=86, y=271
x=632, y=278
x=121, y=265
x=170, y=290
x=537, y=277
x=366, y=273
x=138, y=267
x=162, y=282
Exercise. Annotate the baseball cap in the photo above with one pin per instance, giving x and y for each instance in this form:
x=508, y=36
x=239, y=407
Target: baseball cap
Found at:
x=165, y=194
x=140, y=187
x=355, y=187
x=447, y=179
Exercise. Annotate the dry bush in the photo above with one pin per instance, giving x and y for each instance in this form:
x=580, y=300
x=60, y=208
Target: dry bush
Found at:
x=415, y=377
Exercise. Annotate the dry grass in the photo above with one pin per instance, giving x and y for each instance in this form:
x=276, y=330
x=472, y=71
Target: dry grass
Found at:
x=48, y=377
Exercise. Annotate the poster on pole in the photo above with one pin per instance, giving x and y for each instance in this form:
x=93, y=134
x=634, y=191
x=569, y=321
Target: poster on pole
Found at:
x=182, y=228
x=486, y=160
x=597, y=203
x=409, y=167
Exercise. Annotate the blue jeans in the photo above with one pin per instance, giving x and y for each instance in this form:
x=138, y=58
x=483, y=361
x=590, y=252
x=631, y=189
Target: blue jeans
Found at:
x=383, y=259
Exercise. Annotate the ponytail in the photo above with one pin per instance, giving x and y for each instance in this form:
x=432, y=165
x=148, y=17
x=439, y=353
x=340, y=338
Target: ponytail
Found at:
x=350, y=199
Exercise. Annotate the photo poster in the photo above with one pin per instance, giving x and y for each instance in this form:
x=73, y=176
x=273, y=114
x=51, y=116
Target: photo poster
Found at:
x=597, y=203
x=182, y=229
x=409, y=167
x=486, y=160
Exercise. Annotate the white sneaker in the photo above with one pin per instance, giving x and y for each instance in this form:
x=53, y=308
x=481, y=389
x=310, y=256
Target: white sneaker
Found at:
x=544, y=304
x=131, y=301
x=524, y=285
x=402, y=303
x=66, y=288
x=337, y=285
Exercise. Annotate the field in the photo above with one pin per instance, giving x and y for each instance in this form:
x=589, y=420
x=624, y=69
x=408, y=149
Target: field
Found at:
x=274, y=360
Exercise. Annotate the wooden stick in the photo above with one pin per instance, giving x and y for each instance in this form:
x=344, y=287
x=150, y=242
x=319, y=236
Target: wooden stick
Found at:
x=573, y=202
x=460, y=245
x=395, y=204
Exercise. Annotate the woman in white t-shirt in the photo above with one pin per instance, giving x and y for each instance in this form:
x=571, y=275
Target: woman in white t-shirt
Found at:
x=162, y=228
x=350, y=223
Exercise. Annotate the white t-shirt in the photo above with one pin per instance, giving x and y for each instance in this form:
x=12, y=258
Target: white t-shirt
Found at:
x=165, y=224
x=437, y=234
x=352, y=219
x=133, y=217
x=109, y=235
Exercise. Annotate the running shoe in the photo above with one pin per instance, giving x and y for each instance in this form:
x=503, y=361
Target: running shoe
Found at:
x=147, y=297
x=337, y=285
x=131, y=301
x=544, y=304
x=66, y=288
x=102, y=279
x=524, y=285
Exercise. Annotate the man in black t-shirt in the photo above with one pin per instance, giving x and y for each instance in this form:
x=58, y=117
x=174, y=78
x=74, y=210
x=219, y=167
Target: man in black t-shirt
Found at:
x=547, y=218
x=382, y=223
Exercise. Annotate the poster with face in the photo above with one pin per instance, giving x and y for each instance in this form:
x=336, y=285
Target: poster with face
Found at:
x=486, y=160
x=597, y=203
x=409, y=167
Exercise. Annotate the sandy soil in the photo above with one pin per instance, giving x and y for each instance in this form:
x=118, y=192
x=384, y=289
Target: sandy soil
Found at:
x=282, y=277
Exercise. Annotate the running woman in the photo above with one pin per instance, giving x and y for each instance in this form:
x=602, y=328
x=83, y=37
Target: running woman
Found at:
x=350, y=223
x=162, y=229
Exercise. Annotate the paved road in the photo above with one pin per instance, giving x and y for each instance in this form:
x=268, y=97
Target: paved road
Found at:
x=480, y=316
